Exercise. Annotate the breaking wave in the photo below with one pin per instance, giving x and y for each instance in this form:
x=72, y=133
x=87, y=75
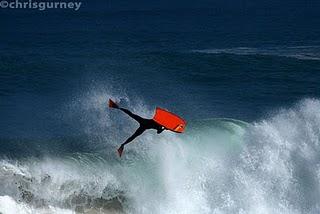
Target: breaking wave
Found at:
x=217, y=166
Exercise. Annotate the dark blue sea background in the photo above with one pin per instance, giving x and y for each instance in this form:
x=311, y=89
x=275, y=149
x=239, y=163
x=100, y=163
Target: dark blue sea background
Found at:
x=47, y=58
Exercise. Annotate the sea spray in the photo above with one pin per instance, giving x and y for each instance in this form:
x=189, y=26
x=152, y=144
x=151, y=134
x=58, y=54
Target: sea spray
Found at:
x=272, y=167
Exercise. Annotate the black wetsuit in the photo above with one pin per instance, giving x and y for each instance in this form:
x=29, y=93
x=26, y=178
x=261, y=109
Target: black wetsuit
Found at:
x=144, y=124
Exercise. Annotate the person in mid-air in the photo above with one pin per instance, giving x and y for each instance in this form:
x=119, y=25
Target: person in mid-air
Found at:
x=144, y=125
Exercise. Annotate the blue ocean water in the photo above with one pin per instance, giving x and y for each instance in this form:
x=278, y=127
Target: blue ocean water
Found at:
x=261, y=66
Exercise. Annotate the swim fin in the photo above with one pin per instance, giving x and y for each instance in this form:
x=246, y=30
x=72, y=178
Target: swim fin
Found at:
x=112, y=104
x=120, y=150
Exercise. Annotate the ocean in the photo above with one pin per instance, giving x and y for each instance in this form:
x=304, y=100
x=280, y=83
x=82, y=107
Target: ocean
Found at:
x=247, y=84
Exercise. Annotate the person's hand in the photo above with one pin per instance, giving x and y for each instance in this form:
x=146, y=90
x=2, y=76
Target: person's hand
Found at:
x=160, y=130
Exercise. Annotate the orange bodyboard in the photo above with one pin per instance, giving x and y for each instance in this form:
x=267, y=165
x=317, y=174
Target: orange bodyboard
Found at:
x=169, y=120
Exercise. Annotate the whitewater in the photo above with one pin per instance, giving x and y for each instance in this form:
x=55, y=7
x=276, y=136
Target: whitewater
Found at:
x=218, y=166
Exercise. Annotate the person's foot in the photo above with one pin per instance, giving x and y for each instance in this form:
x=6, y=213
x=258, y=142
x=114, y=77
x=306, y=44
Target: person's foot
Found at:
x=113, y=104
x=120, y=150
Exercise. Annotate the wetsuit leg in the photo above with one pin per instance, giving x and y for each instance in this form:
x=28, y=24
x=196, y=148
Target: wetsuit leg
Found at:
x=138, y=132
x=134, y=116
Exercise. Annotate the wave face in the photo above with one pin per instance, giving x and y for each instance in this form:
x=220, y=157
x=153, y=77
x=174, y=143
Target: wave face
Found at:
x=217, y=166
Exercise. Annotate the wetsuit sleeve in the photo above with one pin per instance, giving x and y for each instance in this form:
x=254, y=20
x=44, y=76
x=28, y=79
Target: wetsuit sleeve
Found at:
x=132, y=115
x=138, y=132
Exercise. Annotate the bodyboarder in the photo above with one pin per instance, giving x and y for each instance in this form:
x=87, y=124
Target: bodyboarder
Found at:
x=143, y=122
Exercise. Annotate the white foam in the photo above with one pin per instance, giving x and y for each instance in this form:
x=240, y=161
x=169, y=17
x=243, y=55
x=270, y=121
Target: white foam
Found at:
x=298, y=52
x=9, y=206
x=273, y=167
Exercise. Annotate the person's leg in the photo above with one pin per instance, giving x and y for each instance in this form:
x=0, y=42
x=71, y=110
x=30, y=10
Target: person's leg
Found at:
x=138, y=132
x=112, y=104
x=134, y=116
